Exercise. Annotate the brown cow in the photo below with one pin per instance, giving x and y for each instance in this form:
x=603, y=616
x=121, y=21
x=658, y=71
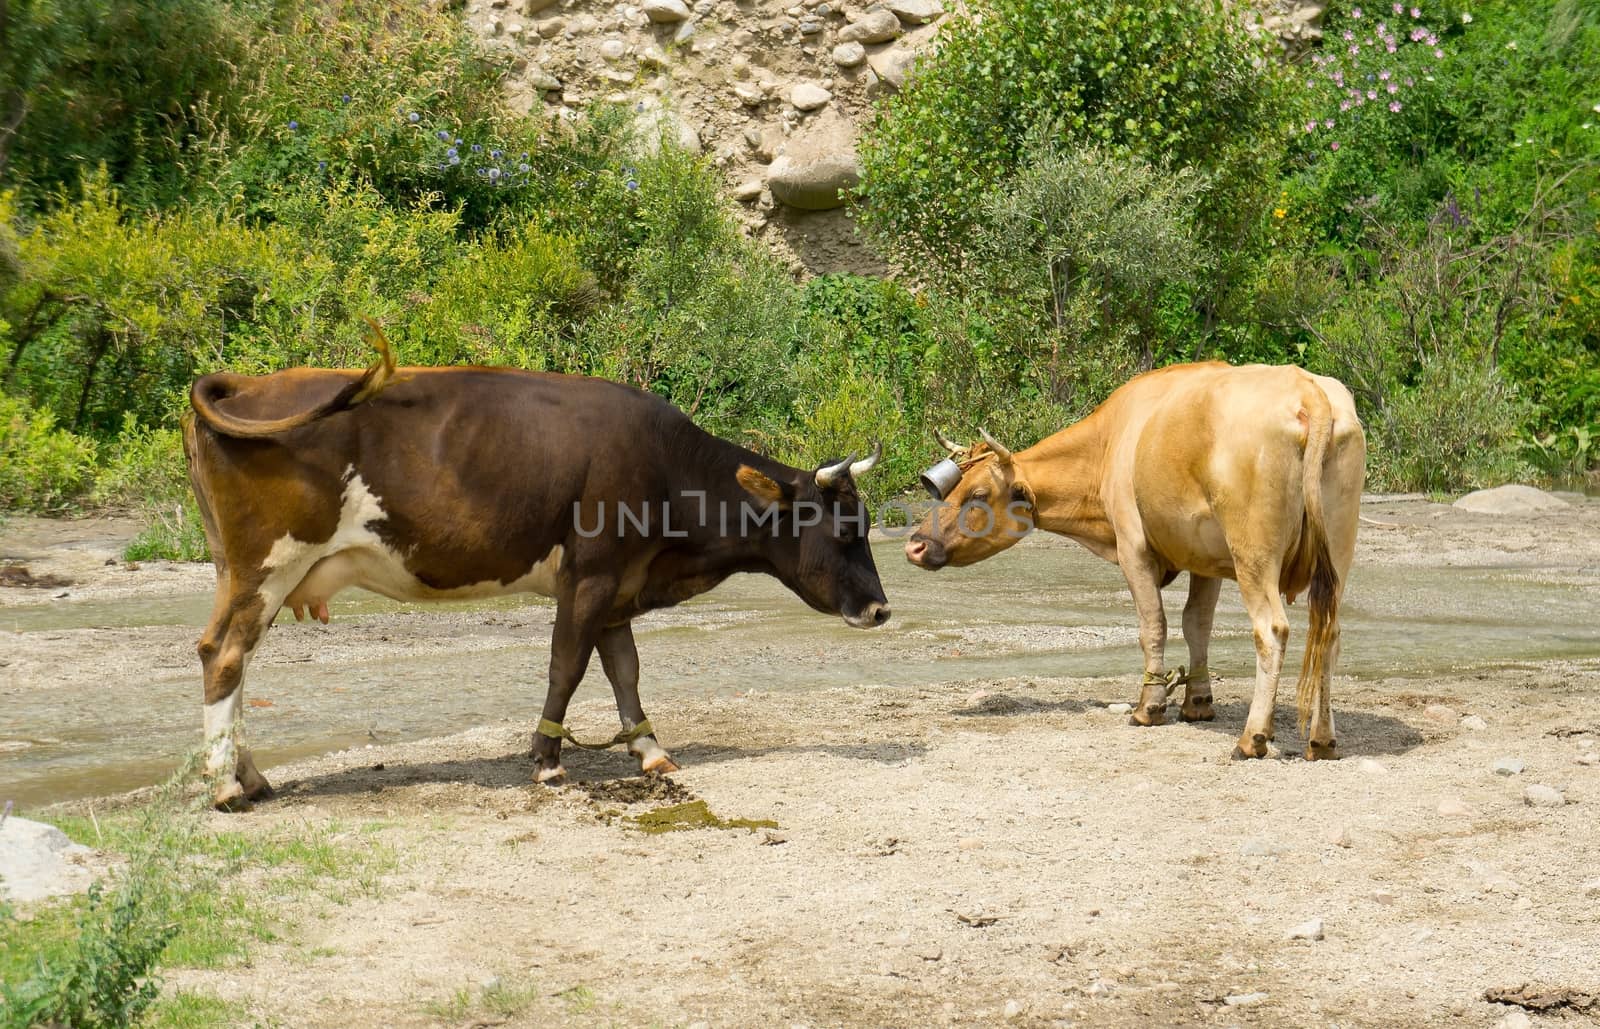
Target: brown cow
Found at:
x=1252, y=474
x=442, y=483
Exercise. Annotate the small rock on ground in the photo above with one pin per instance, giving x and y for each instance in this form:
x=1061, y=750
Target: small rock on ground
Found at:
x=1441, y=714
x=1119, y=709
x=1244, y=1000
x=1370, y=766
x=1474, y=723
x=1508, y=766
x=1539, y=795
x=1311, y=930
x=1455, y=807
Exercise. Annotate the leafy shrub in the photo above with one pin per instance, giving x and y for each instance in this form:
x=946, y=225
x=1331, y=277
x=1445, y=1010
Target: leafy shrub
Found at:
x=1167, y=81
x=42, y=468
x=129, y=86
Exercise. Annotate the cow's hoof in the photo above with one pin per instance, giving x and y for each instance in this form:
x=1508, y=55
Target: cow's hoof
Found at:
x=661, y=764
x=1155, y=714
x=1197, y=709
x=553, y=776
x=1328, y=751
x=230, y=796
x=1253, y=748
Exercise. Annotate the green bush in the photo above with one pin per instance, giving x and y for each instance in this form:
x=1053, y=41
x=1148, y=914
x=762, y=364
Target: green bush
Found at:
x=128, y=86
x=42, y=468
x=1171, y=82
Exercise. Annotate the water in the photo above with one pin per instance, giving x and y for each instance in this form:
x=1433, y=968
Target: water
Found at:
x=126, y=706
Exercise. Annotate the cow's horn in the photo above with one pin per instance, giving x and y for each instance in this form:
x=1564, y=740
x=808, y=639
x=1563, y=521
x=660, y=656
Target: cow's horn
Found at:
x=953, y=448
x=866, y=464
x=1000, y=452
x=830, y=475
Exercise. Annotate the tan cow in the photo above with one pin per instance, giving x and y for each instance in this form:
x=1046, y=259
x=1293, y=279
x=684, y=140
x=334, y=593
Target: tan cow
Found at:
x=1252, y=474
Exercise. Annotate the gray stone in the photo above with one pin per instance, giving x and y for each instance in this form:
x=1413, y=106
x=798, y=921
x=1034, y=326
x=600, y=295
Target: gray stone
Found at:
x=665, y=12
x=814, y=184
x=849, y=55
x=543, y=81
x=533, y=7
x=39, y=861
x=613, y=49
x=1515, y=1020
x=1244, y=1000
x=810, y=28
x=1441, y=714
x=1511, y=500
x=1508, y=766
x=877, y=26
x=1119, y=709
x=916, y=12
x=1474, y=723
x=1311, y=930
x=1539, y=795
x=808, y=96
x=550, y=28
x=892, y=66
x=1455, y=807
x=748, y=191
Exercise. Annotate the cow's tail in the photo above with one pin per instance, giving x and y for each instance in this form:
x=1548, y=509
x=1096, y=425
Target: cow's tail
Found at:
x=205, y=393
x=1323, y=591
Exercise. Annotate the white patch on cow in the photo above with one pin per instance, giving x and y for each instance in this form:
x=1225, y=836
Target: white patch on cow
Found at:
x=220, y=717
x=307, y=574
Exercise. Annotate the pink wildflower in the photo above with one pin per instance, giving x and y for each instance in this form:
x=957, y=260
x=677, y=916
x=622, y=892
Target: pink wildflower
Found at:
x=1394, y=105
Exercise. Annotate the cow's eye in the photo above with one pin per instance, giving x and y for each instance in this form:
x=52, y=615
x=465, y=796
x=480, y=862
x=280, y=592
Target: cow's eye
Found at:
x=981, y=495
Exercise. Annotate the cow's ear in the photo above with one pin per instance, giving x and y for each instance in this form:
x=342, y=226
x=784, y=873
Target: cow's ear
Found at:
x=764, y=488
x=1021, y=493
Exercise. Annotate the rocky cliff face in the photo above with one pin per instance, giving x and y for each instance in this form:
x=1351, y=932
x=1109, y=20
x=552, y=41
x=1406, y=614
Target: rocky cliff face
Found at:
x=773, y=92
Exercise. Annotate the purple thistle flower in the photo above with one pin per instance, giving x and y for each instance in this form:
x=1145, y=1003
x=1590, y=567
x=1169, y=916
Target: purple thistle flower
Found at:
x=1328, y=123
x=452, y=152
x=633, y=185
x=1334, y=145
x=1393, y=88
x=294, y=125
x=1416, y=12
x=322, y=166
x=443, y=135
x=1344, y=105
x=1372, y=94
x=494, y=155
x=458, y=141
x=494, y=174
x=1355, y=12
x=1384, y=75
x=413, y=117
x=477, y=148
x=1348, y=35
x=345, y=99
x=1399, y=8
x=523, y=168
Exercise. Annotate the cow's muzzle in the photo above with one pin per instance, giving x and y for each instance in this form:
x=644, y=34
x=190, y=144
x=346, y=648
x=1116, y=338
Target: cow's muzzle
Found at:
x=869, y=617
x=926, y=553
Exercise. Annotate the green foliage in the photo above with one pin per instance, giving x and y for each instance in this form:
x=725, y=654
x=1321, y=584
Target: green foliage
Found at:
x=128, y=86
x=106, y=983
x=1172, y=81
x=42, y=467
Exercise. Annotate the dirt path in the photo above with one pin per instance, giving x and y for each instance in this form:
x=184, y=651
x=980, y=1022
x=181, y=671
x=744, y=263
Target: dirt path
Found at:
x=965, y=834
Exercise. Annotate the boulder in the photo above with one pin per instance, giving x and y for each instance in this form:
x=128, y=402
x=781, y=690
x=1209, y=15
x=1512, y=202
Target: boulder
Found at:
x=1510, y=500
x=877, y=26
x=808, y=96
x=815, y=165
x=892, y=66
x=848, y=55
x=38, y=861
x=916, y=12
x=665, y=12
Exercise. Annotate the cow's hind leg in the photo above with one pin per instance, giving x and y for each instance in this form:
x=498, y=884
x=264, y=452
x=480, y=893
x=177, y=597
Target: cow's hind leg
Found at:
x=580, y=619
x=1144, y=582
x=1198, y=614
x=225, y=647
x=1259, y=588
x=620, y=659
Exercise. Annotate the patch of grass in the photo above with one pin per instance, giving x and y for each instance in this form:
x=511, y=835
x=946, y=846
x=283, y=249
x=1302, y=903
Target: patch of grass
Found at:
x=693, y=815
x=172, y=533
x=497, y=997
x=185, y=1010
x=579, y=1000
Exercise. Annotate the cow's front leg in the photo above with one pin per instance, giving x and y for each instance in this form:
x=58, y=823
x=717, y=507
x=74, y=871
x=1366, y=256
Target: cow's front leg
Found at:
x=1144, y=582
x=580, y=618
x=620, y=659
x=1198, y=615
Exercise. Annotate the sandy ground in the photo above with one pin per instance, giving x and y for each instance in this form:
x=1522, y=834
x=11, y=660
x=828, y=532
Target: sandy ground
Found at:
x=962, y=837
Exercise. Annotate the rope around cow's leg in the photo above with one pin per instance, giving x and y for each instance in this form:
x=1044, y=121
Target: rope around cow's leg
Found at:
x=557, y=731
